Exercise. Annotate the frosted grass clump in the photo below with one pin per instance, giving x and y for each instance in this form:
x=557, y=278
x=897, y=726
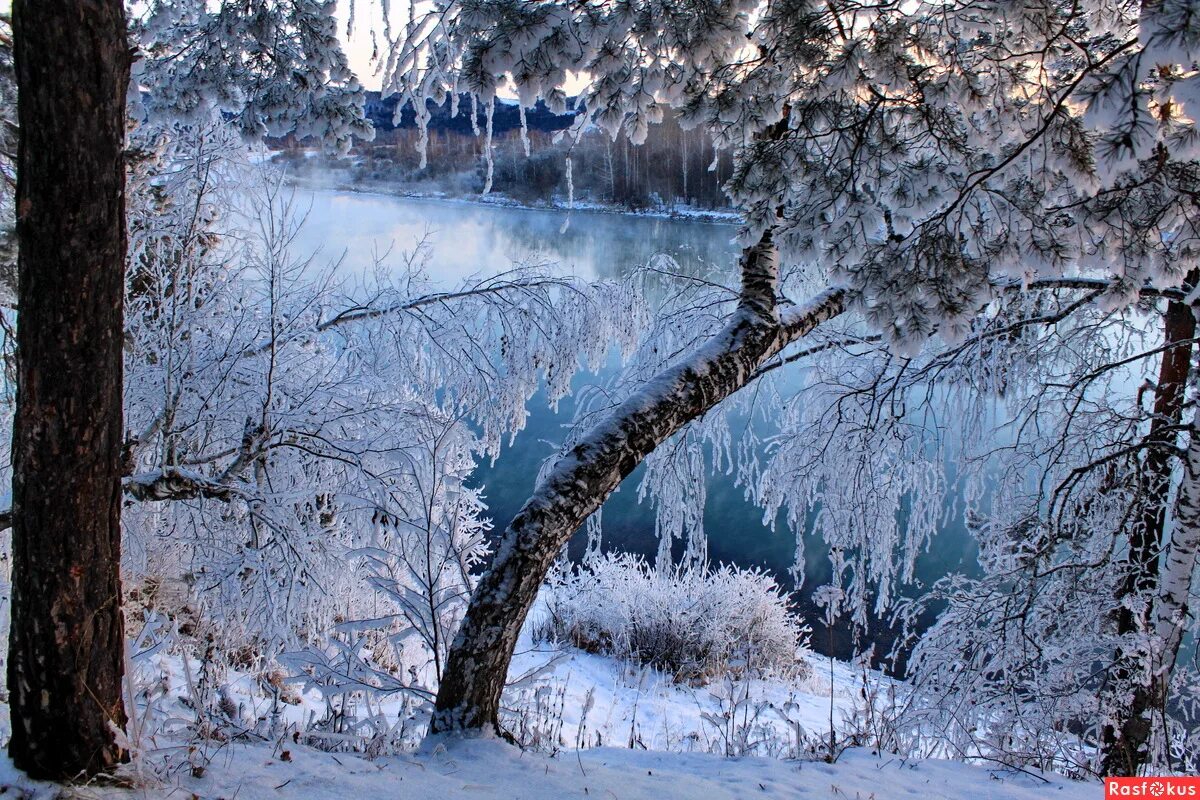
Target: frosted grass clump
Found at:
x=693, y=622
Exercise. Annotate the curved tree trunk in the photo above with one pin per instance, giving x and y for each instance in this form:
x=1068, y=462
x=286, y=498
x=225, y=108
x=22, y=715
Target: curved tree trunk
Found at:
x=65, y=659
x=477, y=665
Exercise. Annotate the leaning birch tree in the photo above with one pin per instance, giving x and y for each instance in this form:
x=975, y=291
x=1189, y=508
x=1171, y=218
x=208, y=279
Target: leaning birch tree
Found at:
x=914, y=158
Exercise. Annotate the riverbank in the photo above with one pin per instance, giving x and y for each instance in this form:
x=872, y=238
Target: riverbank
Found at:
x=496, y=199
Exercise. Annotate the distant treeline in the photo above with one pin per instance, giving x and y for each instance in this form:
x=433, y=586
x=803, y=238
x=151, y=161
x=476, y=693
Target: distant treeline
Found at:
x=671, y=168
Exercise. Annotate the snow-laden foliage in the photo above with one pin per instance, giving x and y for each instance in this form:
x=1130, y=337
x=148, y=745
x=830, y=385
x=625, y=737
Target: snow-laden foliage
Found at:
x=423, y=564
x=1043, y=422
x=693, y=622
x=1034, y=431
x=805, y=450
x=935, y=159
x=684, y=309
x=917, y=152
x=274, y=68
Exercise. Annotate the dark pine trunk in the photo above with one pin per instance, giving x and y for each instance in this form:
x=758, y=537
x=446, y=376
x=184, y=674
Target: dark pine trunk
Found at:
x=1123, y=746
x=65, y=658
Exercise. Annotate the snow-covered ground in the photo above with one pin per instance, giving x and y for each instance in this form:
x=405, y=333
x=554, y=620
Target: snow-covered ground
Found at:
x=492, y=769
x=566, y=698
x=602, y=728
x=678, y=735
x=625, y=704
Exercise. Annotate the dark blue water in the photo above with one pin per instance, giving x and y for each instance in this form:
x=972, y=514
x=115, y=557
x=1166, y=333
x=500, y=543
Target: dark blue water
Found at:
x=478, y=240
x=737, y=534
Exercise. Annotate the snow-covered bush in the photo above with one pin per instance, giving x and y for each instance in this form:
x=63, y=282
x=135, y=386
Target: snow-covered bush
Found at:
x=692, y=622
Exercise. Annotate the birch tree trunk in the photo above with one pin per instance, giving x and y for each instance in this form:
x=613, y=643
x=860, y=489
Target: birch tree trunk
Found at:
x=1167, y=619
x=1124, y=740
x=66, y=654
x=477, y=666
x=1177, y=566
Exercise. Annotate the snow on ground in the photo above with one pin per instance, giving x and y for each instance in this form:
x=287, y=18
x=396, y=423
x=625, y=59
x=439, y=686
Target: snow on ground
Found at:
x=492, y=769
x=625, y=703
x=573, y=698
x=628, y=703
x=678, y=735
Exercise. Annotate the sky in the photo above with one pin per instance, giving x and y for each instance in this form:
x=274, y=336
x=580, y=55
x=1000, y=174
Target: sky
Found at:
x=359, y=45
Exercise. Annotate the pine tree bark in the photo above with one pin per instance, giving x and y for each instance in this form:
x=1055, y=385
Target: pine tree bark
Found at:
x=477, y=666
x=65, y=658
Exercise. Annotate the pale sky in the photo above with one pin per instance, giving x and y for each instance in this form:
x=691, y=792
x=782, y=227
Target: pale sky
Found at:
x=367, y=17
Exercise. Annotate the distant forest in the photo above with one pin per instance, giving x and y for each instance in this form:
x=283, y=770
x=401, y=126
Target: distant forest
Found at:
x=673, y=167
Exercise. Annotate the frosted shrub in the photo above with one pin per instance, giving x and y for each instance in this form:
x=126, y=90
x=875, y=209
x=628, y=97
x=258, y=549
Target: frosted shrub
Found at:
x=694, y=623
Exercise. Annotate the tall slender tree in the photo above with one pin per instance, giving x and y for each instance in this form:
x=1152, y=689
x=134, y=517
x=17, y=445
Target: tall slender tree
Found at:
x=1125, y=742
x=65, y=668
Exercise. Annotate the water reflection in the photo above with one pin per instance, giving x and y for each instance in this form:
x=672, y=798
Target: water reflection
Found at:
x=473, y=239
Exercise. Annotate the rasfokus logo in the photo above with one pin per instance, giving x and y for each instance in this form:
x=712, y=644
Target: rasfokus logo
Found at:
x=1151, y=787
